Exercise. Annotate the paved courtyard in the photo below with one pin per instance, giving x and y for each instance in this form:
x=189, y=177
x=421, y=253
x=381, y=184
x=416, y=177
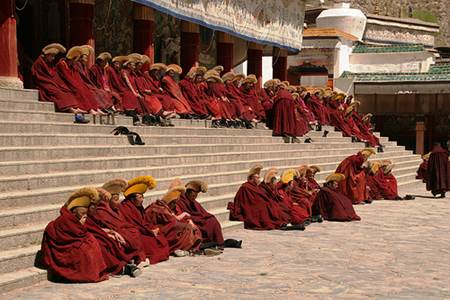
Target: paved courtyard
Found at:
x=400, y=250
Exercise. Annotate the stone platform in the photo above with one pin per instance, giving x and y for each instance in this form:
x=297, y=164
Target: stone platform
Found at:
x=44, y=157
x=400, y=250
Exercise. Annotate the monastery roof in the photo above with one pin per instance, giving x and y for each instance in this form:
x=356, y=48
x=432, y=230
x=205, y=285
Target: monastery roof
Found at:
x=397, y=77
x=328, y=33
x=364, y=48
x=440, y=68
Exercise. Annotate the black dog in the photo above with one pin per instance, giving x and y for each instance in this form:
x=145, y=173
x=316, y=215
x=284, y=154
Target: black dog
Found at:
x=133, y=137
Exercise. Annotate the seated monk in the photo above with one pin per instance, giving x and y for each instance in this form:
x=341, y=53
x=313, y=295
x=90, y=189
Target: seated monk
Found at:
x=354, y=183
x=252, y=206
x=119, y=258
x=178, y=229
x=333, y=205
x=287, y=191
x=51, y=87
x=250, y=90
x=155, y=245
x=188, y=88
x=109, y=217
x=235, y=95
x=422, y=170
x=207, y=222
x=169, y=84
x=373, y=188
x=69, y=252
x=100, y=78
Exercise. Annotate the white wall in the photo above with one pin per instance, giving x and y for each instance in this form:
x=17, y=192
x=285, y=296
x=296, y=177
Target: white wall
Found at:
x=417, y=62
x=267, y=69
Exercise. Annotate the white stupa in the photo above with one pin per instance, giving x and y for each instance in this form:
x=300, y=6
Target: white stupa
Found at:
x=344, y=18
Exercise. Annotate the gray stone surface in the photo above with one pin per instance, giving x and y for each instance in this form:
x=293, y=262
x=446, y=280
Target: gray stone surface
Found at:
x=400, y=250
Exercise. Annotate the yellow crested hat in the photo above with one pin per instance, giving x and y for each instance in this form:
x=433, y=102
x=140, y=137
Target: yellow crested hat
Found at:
x=197, y=186
x=367, y=152
x=338, y=177
x=288, y=176
x=374, y=166
x=115, y=186
x=388, y=168
x=302, y=170
x=174, y=67
x=176, y=188
x=270, y=175
x=53, y=48
x=140, y=185
x=74, y=53
x=83, y=198
x=315, y=169
x=255, y=170
x=120, y=59
x=238, y=77
x=219, y=69
x=104, y=194
x=104, y=56
x=228, y=76
x=87, y=50
x=158, y=66
x=426, y=156
x=367, y=116
x=250, y=79
x=213, y=78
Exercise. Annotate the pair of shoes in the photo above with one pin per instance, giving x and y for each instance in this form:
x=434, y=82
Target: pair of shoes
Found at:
x=212, y=252
x=368, y=201
x=442, y=195
x=80, y=119
x=232, y=243
x=325, y=133
x=180, y=253
x=286, y=139
x=409, y=197
x=300, y=227
x=132, y=270
x=295, y=140
x=308, y=141
x=316, y=219
x=144, y=264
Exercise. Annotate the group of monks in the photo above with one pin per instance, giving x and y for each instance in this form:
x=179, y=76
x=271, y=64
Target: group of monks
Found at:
x=154, y=92
x=295, y=199
x=98, y=235
x=434, y=171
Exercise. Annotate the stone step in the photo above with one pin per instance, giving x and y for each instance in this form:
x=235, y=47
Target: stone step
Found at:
x=101, y=150
x=18, y=259
x=89, y=176
x=118, y=162
x=23, y=94
x=21, y=236
x=26, y=105
x=21, y=278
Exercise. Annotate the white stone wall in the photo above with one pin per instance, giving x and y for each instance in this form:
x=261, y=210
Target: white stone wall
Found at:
x=390, y=62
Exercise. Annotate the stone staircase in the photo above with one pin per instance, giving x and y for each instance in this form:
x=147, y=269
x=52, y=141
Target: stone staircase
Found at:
x=44, y=157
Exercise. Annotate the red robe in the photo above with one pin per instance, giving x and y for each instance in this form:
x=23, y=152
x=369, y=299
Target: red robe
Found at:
x=189, y=91
x=105, y=217
x=388, y=186
x=237, y=97
x=284, y=115
x=335, y=206
x=354, y=184
x=51, y=87
x=118, y=85
x=100, y=78
x=151, y=103
x=208, y=223
x=438, y=171
x=298, y=214
x=173, y=89
x=73, y=80
x=180, y=235
x=253, y=208
x=71, y=252
x=422, y=172
x=156, y=247
x=251, y=98
x=217, y=91
x=319, y=110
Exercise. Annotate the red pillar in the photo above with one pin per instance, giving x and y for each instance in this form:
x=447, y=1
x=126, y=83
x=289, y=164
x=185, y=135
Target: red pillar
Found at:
x=190, y=45
x=81, y=24
x=254, y=59
x=279, y=61
x=225, y=48
x=8, y=46
x=144, y=26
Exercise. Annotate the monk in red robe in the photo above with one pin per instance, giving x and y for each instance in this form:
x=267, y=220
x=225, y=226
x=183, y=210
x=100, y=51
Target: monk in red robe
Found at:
x=354, y=184
x=130, y=102
x=269, y=188
x=100, y=78
x=438, y=171
x=188, y=88
x=208, y=223
x=51, y=87
x=155, y=244
x=169, y=84
x=68, y=72
x=69, y=251
x=284, y=117
x=179, y=230
x=422, y=172
x=251, y=205
x=235, y=94
x=216, y=94
x=333, y=205
x=316, y=106
x=250, y=90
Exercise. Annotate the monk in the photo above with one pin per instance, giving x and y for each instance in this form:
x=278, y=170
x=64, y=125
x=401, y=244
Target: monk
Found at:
x=236, y=95
x=69, y=251
x=68, y=72
x=422, y=172
x=438, y=171
x=208, y=223
x=284, y=117
x=354, y=184
x=333, y=205
x=188, y=88
x=100, y=78
x=130, y=102
x=169, y=84
x=156, y=245
x=118, y=257
x=51, y=87
x=252, y=206
x=109, y=217
x=269, y=188
x=179, y=230
x=251, y=97
x=216, y=92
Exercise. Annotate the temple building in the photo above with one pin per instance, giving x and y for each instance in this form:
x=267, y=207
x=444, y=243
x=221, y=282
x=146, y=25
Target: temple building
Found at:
x=389, y=64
